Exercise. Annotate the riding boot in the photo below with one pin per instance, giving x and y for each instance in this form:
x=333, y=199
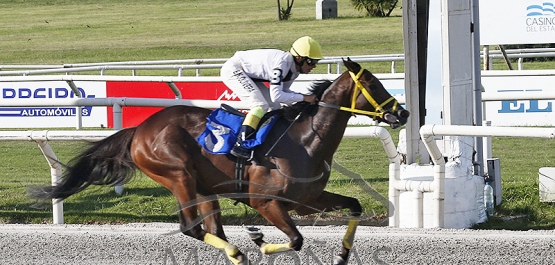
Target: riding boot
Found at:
x=238, y=149
x=248, y=130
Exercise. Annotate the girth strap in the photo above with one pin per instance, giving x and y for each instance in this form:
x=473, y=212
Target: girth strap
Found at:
x=239, y=173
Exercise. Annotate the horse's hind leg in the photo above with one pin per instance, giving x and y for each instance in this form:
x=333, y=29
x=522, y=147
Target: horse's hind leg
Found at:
x=274, y=212
x=327, y=202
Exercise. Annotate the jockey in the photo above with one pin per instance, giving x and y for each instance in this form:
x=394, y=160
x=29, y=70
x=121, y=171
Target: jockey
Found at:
x=246, y=72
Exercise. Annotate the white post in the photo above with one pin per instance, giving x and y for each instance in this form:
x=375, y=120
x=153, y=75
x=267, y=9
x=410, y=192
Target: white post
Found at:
x=118, y=125
x=394, y=193
x=487, y=146
x=56, y=176
x=411, y=80
x=418, y=208
x=486, y=58
x=458, y=59
x=117, y=112
x=78, y=114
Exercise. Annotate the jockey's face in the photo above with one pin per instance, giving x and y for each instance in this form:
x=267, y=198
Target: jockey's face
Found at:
x=305, y=68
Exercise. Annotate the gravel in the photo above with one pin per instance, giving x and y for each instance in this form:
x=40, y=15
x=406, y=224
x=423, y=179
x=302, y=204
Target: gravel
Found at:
x=161, y=243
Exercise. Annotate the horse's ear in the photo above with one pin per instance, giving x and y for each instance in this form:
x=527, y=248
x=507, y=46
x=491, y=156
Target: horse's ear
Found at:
x=351, y=65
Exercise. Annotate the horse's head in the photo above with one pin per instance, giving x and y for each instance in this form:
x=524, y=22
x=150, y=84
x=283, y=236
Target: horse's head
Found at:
x=369, y=97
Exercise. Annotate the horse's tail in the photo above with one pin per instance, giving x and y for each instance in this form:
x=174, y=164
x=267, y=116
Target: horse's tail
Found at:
x=107, y=162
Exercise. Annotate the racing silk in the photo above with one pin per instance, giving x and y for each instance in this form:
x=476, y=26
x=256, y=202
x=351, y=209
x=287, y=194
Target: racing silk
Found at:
x=274, y=66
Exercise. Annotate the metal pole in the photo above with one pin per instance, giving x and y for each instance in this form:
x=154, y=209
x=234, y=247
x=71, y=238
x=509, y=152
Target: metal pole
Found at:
x=479, y=142
x=78, y=113
x=411, y=79
x=56, y=177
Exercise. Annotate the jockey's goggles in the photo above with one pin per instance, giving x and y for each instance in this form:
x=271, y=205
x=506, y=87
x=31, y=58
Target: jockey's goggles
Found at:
x=311, y=62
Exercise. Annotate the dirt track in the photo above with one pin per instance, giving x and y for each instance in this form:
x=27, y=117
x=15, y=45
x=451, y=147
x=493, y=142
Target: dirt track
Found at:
x=161, y=244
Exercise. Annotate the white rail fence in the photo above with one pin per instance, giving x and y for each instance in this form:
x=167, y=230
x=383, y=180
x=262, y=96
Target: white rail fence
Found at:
x=198, y=64
x=179, y=65
x=42, y=138
x=437, y=185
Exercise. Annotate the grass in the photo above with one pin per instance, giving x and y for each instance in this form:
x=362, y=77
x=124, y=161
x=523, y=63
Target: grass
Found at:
x=143, y=199
x=520, y=160
x=146, y=201
x=83, y=31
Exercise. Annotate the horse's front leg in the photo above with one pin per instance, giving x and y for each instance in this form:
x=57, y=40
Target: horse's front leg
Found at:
x=327, y=202
x=274, y=212
x=212, y=215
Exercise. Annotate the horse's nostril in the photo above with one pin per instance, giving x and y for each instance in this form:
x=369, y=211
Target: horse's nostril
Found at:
x=403, y=113
x=390, y=118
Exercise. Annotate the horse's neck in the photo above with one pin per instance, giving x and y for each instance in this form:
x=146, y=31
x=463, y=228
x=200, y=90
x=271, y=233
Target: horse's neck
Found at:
x=327, y=129
x=328, y=125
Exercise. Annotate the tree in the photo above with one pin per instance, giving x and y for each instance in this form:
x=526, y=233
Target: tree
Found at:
x=375, y=8
x=284, y=13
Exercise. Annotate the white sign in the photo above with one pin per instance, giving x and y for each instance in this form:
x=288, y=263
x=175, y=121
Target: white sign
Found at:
x=519, y=112
x=517, y=22
x=48, y=117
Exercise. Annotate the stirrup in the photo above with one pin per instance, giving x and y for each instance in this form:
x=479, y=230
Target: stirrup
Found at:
x=242, y=152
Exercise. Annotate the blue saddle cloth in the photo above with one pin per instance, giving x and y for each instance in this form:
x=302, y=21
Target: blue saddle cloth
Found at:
x=222, y=129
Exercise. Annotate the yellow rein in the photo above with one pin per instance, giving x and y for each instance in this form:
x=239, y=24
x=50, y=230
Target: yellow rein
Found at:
x=379, y=111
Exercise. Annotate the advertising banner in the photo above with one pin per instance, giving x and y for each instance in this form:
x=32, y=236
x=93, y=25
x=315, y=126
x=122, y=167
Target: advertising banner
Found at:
x=519, y=112
x=517, y=22
x=133, y=116
x=500, y=113
x=50, y=117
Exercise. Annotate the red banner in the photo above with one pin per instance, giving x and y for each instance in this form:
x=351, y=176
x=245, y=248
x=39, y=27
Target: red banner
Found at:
x=133, y=116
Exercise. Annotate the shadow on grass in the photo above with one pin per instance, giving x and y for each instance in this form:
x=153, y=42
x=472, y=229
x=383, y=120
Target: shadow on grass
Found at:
x=25, y=217
x=101, y=194
x=519, y=219
x=516, y=224
x=100, y=206
x=350, y=181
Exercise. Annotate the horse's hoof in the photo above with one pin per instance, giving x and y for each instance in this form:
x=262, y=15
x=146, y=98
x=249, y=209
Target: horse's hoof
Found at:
x=254, y=233
x=337, y=260
x=240, y=260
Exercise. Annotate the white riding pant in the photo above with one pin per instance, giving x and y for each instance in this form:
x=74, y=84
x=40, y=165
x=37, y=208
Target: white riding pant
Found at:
x=249, y=91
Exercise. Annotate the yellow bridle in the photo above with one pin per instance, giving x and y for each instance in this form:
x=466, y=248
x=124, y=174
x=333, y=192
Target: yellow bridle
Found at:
x=379, y=111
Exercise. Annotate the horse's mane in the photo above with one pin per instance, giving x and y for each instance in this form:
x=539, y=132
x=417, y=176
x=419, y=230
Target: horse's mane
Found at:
x=316, y=88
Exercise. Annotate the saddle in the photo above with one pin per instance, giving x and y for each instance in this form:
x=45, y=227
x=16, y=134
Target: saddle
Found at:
x=223, y=126
x=222, y=129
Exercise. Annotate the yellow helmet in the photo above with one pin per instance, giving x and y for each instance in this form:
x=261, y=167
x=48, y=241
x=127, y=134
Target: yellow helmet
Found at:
x=306, y=47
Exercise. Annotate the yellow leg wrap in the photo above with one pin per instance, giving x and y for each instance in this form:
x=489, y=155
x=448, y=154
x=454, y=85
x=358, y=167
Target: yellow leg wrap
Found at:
x=274, y=248
x=349, y=237
x=219, y=243
x=253, y=117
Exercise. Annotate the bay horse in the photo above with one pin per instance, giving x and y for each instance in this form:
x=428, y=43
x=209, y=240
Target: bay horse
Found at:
x=289, y=175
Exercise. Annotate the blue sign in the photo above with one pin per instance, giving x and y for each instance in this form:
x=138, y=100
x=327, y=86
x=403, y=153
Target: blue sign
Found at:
x=513, y=106
x=39, y=93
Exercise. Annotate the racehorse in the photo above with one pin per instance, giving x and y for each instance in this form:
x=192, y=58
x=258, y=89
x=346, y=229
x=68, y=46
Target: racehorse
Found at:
x=289, y=170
